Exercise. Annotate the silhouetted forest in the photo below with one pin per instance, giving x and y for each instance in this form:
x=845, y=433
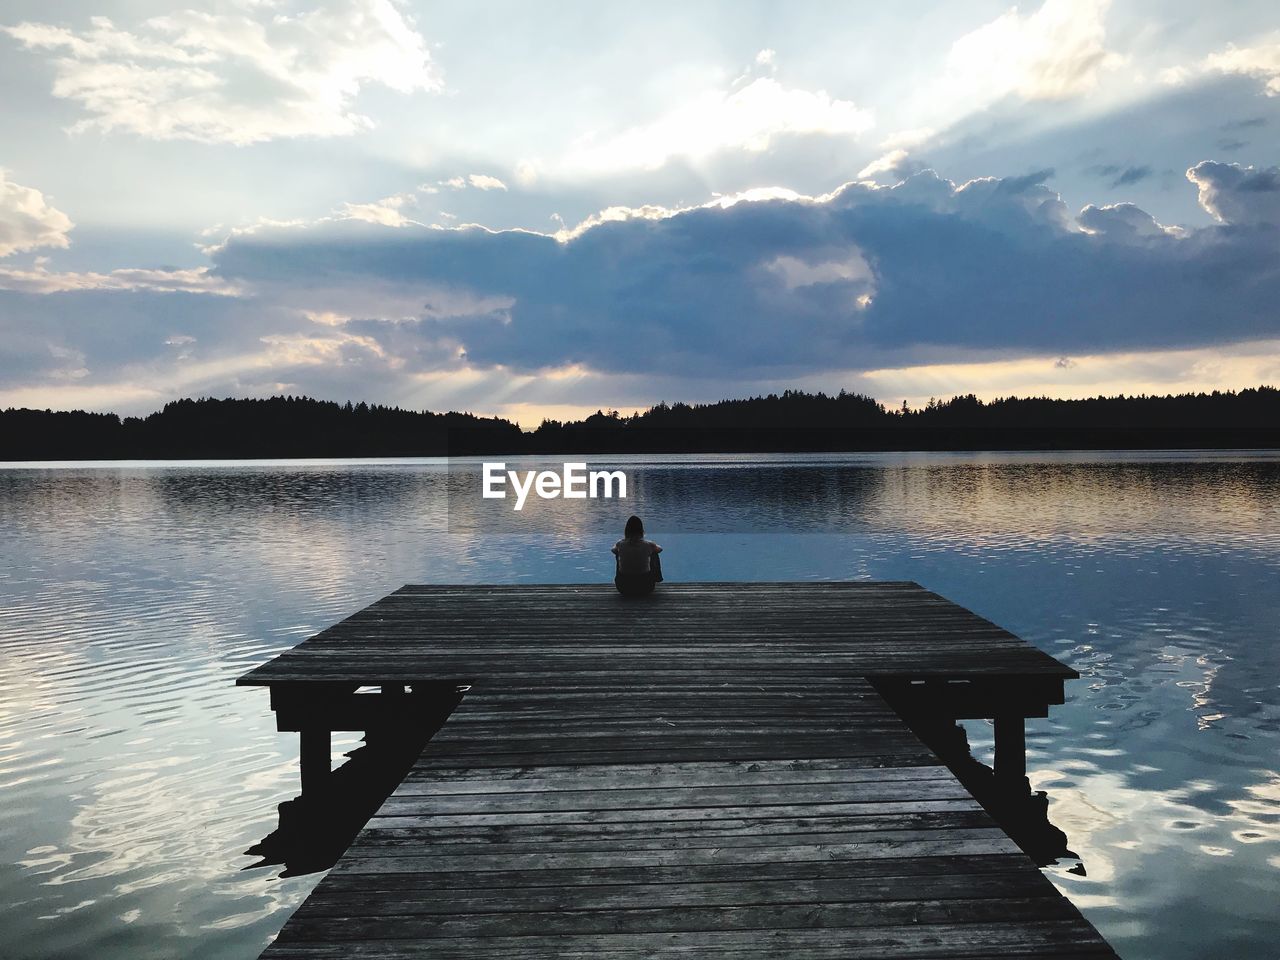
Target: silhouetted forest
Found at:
x=791, y=421
x=246, y=429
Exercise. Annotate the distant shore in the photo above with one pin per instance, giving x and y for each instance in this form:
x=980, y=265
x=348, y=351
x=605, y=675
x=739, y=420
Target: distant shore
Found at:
x=299, y=427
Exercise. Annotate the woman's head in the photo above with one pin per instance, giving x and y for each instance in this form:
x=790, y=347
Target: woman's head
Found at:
x=634, y=527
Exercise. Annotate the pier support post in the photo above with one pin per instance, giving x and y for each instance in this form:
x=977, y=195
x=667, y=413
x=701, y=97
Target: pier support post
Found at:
x=1011, y=749
x=384, y=731
x=313, y=759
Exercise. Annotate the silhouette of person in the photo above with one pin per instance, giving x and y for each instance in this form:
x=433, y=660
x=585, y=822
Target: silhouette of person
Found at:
x=638, y=565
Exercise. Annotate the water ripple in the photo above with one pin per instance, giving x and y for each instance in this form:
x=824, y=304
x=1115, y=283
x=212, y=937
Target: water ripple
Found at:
x=133, y=773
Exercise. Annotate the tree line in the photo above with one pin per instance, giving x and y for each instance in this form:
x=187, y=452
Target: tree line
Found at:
x=791, y=421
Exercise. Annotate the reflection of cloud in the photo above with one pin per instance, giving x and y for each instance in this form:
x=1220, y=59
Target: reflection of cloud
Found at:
x=1260, y=807
x=1145, y=844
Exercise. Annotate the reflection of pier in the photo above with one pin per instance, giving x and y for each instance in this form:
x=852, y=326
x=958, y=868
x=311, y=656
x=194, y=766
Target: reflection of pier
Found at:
x=720, y=769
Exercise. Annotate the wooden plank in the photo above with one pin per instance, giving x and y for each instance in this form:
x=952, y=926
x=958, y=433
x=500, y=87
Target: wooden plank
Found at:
x=360, y=922
x=530, y=631
x=985, y=939
x=727, y=784
x=426, y=780
x=901, y=818
x=461, y=899
x=761, y=798
x=925, y=872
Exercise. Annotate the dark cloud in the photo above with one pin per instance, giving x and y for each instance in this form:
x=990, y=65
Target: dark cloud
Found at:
x=1120, y=176
x=1245, y=124
x=1231, y=146
x=177, y=343
x=111, y=330
x=788, y=286
x=772, y=290
x=1017, y=185
x=1131, y=175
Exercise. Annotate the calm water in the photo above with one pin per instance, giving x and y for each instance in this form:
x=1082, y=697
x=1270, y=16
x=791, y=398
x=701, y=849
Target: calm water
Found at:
x=133, y=773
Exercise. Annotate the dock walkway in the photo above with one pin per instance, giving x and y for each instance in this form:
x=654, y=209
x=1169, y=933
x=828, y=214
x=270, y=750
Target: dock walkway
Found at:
x=708, y=772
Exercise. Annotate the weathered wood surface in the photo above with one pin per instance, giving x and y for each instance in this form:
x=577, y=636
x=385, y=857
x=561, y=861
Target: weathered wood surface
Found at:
x=585, y=631
x=744, y=795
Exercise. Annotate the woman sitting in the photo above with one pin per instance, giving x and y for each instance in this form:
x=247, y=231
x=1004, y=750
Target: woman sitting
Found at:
x=638, y=566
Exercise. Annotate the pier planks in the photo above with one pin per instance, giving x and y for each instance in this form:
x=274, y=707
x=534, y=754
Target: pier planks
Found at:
x=707, y=773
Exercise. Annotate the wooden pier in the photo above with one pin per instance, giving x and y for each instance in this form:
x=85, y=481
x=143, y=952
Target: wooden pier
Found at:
x=710, y=771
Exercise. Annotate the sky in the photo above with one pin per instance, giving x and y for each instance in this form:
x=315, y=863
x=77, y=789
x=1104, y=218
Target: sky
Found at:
x=539, y=210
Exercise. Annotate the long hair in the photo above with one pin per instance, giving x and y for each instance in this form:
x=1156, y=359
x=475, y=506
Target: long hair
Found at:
x=634, y=529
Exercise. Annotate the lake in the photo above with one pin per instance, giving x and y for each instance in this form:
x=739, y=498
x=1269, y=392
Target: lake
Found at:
x=134, y=774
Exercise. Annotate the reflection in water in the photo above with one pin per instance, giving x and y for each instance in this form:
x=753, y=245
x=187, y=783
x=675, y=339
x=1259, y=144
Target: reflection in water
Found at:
x=314, y=831
x=133, y=773
x=1022, y=813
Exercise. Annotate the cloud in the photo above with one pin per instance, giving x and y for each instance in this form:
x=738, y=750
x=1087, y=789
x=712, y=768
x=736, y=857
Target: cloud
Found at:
x=788, y=285
x=1238, y=195
x=1131, y=175
x=765, y=287
x=750, y=118
x=483, y=181
x=1121, y=176
x=912, y=137
x=478, y=181
x=527, y=172
x=389, y=211
x=1052, y=54
x=40, y=279
x=247, y=73
x=1260, y=62
x=1154, y=372
x=895, y=163
x=1123, y=221
x=847, y=266
x=395, y=210
x=63, y=331
x=27, y=221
